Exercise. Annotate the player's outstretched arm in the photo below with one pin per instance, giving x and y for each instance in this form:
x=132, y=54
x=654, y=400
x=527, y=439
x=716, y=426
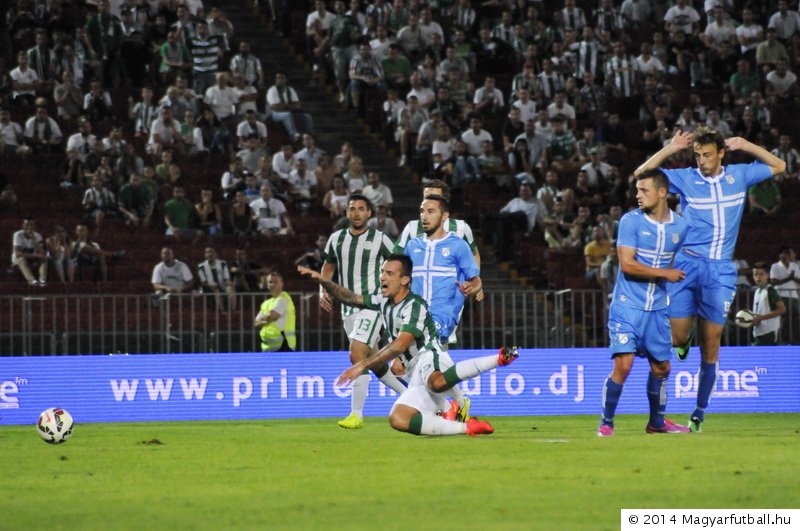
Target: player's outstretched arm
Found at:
x=630, y=266
x=679, y=142
x=391, y=351
x=737, y=143
x=338, y=292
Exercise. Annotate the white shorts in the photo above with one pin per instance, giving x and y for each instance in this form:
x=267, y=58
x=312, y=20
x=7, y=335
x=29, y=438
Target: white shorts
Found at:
x=364, y=326
x=418, y=395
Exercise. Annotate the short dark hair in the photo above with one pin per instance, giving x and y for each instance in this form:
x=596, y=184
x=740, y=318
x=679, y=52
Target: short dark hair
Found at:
x=360, y=197
x=706, y=135
x=761, y=265
x=658, y=176
x=405, y=263
x=444, y=204
x=441, y=185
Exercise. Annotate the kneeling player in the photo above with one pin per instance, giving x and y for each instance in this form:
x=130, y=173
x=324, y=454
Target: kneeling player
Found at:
x=413, y=338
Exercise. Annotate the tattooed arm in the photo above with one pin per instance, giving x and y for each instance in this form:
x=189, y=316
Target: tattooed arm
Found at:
x=337, y=292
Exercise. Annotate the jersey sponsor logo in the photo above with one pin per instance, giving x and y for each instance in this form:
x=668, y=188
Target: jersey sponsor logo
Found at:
x=676, y=237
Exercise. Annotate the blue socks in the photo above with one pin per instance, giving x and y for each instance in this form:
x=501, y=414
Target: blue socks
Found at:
x=657, y=397
x=705, y=385
x=611, y=393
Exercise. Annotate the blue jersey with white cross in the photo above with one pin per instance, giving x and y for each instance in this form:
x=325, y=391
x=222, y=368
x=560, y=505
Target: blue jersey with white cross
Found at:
x=655, y=244
x=438, y=266
x=713, y=206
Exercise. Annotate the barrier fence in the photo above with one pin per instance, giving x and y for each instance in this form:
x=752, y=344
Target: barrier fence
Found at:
x=134, y=324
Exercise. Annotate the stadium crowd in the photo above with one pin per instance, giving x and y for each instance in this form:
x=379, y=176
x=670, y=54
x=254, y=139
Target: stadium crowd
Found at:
x=549, y=103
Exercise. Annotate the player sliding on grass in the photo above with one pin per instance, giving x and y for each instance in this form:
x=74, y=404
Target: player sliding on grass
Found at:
x=638, y=324
x=414, y=340
x=713, y=198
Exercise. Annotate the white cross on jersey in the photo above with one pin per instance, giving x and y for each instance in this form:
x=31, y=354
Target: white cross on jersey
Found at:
x=429, y=270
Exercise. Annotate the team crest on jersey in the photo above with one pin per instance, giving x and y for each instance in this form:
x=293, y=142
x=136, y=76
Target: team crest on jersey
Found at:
x=446, y=251
x=729, y=179
x=622, y=338
x=676, y=237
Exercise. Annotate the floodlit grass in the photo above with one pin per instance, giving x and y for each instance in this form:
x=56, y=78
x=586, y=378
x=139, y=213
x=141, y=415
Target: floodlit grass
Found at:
x=548, y=473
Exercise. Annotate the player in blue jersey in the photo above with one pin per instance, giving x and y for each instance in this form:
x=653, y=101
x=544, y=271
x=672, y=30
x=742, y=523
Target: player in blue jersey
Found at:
x=713, y=198
x=413, y=340
x=638, y=323
x=445, y=272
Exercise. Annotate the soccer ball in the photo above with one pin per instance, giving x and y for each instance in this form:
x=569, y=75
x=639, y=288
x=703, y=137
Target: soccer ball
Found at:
x=744, y=318
x=55, y=425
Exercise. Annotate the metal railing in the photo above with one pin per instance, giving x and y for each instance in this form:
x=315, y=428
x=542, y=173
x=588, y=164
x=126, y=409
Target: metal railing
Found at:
x=109, y=324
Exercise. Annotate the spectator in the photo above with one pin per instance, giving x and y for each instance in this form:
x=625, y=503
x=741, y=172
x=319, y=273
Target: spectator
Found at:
x=785, y=21
x=335, y=200
x=104, y=38
x=465, y=166
x=595, y=252
x=174, y=57
x=208, y=214
x=244, y=273
x=344, y=32
x=275, y=320
x=314, y=258
x=171, y=275
x=214, y=277
x=366, y=74
x=86, y=253
x=28, y=253
x=378, y=193
x=562, y=150
x=355, y=178
x=782, y=82
x=489, y=99
x=303, y=187
x=311, y=154
x=137, y=60
x=42, y=133
x=518, y=215
x=251, y=126
x=397, y=69
x=744, y=82
x=765, y=198
x=222, y=99
x=475, y=136
x=284, y=162
x=240, y=217
x=136, y=202
x=178, y=215
x=252, y=153
x=788, y=154
x=58, y=248
x=492, y=166
x=681, y=18
x=425, y=96
x=192, y=135
x=270, y=214
x=11, y=136
x=99, y=202
x=165, y=134
x=384, y=223
x=83, y=141
x=68, y=97
x=216, y=137
x=411, y=119
x=143, y=113
x=607, y=276
x=283, y=106
x=206, y=51
x=247, y=65
x=784, y=275
x=24, y=82
x=770, y=51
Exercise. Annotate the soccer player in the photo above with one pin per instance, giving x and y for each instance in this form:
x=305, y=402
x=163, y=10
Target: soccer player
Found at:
x=713, y=198
x=357, y=253
x=414, y=340
x=638, y=324
x=444, y=273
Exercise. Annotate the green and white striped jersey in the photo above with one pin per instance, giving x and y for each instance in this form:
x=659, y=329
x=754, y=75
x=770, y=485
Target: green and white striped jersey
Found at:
x=409, y=315
x=358, y=260
x=414, y=229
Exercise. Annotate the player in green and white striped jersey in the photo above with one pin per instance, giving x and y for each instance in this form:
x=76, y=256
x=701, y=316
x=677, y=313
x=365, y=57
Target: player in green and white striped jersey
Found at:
x=414, y=340
x=357, y=253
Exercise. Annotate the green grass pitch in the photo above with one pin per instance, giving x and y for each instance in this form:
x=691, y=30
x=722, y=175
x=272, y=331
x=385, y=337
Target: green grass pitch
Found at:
x=550, y=473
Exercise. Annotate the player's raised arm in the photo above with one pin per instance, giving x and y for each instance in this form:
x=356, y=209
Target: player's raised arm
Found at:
x=682, y=140
x=630, y=266
x=338, y=292
x=328, y=269
x=737, y=143
x=391, y=351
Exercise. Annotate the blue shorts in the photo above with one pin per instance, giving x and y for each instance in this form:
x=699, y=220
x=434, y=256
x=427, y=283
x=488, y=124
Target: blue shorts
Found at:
x=445, y=326
x=707, y=290
x=631, y=330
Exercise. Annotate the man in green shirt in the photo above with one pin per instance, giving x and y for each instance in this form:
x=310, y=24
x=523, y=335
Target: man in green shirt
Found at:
x=136, y=202
x=178, y=215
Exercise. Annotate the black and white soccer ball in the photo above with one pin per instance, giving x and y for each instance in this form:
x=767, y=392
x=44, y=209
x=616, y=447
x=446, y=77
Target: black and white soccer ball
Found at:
x=744, y=318
x=55, y=425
